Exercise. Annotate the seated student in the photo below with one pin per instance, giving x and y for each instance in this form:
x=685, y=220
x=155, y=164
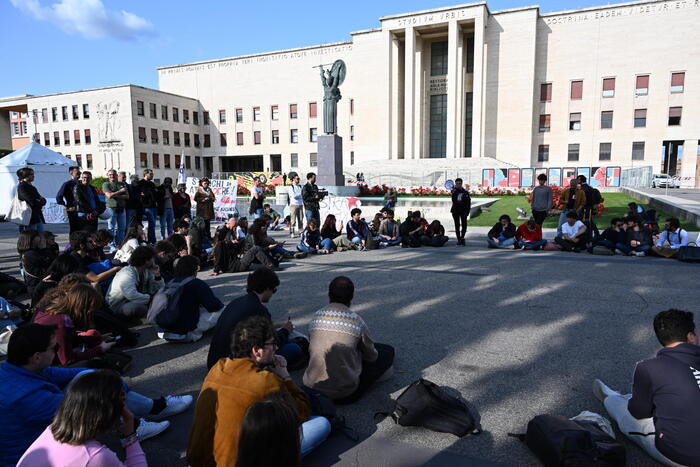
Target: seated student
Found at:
x=311, y=241
x=36, y=260
x=634, y=209
x=274, y=218
x=529, y=235
x=199, y=244
x=357, y=229
x=133, y=286
x=257, y=236
x=166, y=254
x=572, y=236
x=389, y=229
x=31, y=391
x=199, y=309
x=502, y=234
x=227, y=246
x=330, y=231
x=242, y=229
x=662, y=415
x=434, y=235
x=261, y=286
x=674, y=236
x=234, y=384
x=81, y=244
x=60, y=267
x=133, y=239
x=345, y=361
x=613, y=235
x=101, y=239
x=638, y=239
x=411, y=230
x=180, y=227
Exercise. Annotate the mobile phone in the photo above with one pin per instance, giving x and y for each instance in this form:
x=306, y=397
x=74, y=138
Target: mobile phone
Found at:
x=117, y=338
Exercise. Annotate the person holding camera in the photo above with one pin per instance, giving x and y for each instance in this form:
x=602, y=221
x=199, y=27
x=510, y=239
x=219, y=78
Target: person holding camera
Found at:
x=311, y=196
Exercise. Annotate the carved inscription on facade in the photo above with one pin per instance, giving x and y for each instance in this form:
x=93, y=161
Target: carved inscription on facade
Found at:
x=648, y=9
x=437, y=85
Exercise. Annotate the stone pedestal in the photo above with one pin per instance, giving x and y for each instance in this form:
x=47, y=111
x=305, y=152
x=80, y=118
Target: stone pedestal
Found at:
x=330, y=161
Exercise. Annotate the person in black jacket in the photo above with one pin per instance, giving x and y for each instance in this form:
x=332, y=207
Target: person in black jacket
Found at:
x=311, y=196
x=64, y=197
x=149, y=202
x=88, y=203
x=411, y=230
x=612, y=235
x=461, y=205
x=134, y=209
x=28, y=193
x=662, y=415
x=502, y=234
x=638, y=238
x=36, y=260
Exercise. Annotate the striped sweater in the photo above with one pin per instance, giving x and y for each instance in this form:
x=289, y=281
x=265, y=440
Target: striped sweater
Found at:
x=339, y=343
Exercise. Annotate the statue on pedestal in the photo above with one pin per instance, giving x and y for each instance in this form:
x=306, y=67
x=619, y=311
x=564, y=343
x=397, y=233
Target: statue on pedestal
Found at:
x=331, y=80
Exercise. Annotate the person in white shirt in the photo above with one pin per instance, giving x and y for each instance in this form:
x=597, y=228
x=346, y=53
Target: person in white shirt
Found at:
x=674, y=236
x=571, y=238
x=296, y=208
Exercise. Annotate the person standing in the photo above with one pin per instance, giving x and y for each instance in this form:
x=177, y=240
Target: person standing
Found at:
x=461, y=206
x=28, y=193
x=296, y=207
x=88, y=203
x=182, y=202
x=205, y=197
x=311, y=198
x=165, y=208
x=117, y=194
x=149, y=201
x=257, y=198
x=542, y=200
x=134, y=210
x=64, y=197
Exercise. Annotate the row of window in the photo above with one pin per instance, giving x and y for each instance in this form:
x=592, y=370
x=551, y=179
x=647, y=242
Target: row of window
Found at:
x=604, y=152
x=19, y=128
x=155, y=161
x=165, y=113
x=64, y=115
x=313, y=159
x=87, y=138
x=79, y=160
x=641, y=87
x=606, y=119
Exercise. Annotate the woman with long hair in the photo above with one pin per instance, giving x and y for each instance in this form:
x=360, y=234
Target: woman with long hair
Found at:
x=205, y=198
x=92, y=405
x=257, y=236
x=311, y=241
x=61, y=267
x=330, y=230
x=182, y=202
x=28, y=193
x=434, y=235
x=133, y=239
x=36, y=261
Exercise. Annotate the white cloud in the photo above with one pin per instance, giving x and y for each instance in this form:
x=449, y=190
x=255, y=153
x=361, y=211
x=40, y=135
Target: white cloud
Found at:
x=88, y=18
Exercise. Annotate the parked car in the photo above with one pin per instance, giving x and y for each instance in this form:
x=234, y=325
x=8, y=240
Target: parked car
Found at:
x=664, y=180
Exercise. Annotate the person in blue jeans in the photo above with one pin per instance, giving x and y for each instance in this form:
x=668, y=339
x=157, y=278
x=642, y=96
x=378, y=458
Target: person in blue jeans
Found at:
x=311, y=241
x=117, y=194
x=502, y=234
x=639, y=238
x=357, y=229
x=149, y=201
x=165, y=208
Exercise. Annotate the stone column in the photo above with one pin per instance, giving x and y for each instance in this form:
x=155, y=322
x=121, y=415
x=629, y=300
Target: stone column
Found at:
x=452, y=78
x=395, y=78
x=478, y=86
x=418, y=100
x=409, y=93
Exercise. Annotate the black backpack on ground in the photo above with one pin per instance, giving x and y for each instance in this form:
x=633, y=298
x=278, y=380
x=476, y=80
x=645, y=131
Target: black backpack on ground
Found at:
x=427, y=405
x=690, y=254
x=558, y=441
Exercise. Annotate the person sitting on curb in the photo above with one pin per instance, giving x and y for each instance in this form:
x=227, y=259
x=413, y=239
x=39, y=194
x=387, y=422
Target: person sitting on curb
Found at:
x=344, y=361
x=572, y=198
x=311, y=241
x=674, y=236
x=389, y=229
x=274, y=218
x=611, y=236
x=357, y=229
x=529, y=236
x=572, y=236
x=31, y=391
x=411, y=230
x=330, y=231
x=234, y=384
x=434, y=235
x=662, y=415
x=638, y=238
x=502, y=234
x=134, y=285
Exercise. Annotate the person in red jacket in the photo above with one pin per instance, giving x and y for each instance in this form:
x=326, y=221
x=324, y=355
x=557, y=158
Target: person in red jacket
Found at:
x=529, y=236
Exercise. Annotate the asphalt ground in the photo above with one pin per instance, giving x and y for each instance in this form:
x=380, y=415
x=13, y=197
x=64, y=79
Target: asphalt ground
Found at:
x=516, y=333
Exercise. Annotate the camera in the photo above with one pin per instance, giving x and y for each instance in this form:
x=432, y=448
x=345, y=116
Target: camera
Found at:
x=322, y=193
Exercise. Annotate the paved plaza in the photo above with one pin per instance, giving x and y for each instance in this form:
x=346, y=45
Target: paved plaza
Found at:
x=517, y=333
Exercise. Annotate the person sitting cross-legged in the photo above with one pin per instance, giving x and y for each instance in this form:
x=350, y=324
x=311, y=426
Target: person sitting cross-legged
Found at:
x=134, y=285
x=638, y=238
x=389, y=229
x=674, y=235
x=345, y=361
x=234, y=384
x=198, y=308
x=529, y=235
x=662, y=415
x=275, y=218
x=411, y=230
x=357, y=229
x=502, y=234
x=311, y=241
x=572, y=236
x=610, y=237
x=330, y=231
x=31, y=391
x=434, y=235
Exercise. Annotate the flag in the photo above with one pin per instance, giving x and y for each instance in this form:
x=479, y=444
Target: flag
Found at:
x=181, y=176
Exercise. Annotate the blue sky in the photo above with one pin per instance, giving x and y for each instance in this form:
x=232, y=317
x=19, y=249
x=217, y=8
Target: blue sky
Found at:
x=65, y=45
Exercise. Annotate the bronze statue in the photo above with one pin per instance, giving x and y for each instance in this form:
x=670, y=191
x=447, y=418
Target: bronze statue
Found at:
x=331, y=80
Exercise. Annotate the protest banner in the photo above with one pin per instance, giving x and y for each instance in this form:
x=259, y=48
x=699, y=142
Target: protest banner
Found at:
x=54, y=213
x=225, y=192
x=340, y=207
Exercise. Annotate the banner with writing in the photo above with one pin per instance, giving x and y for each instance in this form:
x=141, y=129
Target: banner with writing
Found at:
x=54, y=213
x=225, y=192
x=338, y=206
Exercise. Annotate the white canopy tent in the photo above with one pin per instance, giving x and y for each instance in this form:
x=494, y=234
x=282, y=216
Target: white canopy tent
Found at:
x=50, y=169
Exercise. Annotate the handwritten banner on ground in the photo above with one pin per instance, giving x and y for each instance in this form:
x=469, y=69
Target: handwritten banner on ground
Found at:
x=54, y=213
x=340, y=207
x=225, y=192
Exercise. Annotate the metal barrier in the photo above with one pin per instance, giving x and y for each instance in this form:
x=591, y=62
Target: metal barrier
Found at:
x=636, y=177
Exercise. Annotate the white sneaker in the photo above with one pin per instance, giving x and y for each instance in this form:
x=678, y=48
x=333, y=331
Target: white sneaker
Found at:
x=150, y=429
x=619, y=252
x=173, y=406
x=113, y=249
x=639, y=253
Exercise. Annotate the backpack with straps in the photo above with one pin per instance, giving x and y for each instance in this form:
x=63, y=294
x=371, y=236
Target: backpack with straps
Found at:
x=163, y=310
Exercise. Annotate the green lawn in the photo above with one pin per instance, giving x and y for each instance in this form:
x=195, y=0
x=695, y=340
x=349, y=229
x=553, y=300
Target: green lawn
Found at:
x=615, y=206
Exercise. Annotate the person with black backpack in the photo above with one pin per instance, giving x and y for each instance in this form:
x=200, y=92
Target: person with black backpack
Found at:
x=593, y=199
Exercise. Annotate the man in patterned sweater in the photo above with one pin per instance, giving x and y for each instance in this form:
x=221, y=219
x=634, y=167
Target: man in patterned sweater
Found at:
x=345, y=361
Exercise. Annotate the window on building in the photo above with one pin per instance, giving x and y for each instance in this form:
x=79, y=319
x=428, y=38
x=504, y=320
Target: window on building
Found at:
x=573, y=152
x=207, y=140
x=293, y=136
x=143, y=157
x=164, y=112
x=294, y=160
x=222, y=140
x=275, y=136
x=545, y=123
x=275, y=112
x=605, y=151
x=606, y=119
x=66, y=137
x=15, y=129
x=352, y=157
x=438, y=58
x=54, y=114
x=312, y=110
x=222, y=116
x=176, y=138
x=608, y=87
x=352, y=106
x=638, y=151
x=543, y=153
x=44, y=115
x=64, y=113
x=197, y=163
x=576, y=90
x=674, y=116
x=166, y=161
x=142, y=134
x=76, y=136
x=88, y=138
x=205, y=117
x=185, y=116
x=256, y=137
x=154, y=136
x=239, y=138
x=47, y=139
x=187, y=140
x=139, y=108
x=155, y=160
x=352, y=132
x=176, y=114
x=575, y=121
x=293, y=111
x=24, y=128
x=88, y=161
x=546, y=92
x=313, y=135
x=640, y=118
x=56, y=138
x=177, y=161
x=78, y=160
x=152, y=110
x=641, y=87
x=188, y=162
x=86, y=112
x=313, y=159
x=195, y=117
x=438, y=126
x=196, y=140
x=76, y=114
x=239, y=115
x=677, y=82
x=256, y=114
x=166, y=137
